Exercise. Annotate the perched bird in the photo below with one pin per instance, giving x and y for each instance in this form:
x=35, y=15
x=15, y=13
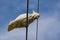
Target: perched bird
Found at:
x=20, y=21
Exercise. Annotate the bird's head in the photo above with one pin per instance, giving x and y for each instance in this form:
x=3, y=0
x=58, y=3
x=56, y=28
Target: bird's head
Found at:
x=11, y=25
x=35, y=15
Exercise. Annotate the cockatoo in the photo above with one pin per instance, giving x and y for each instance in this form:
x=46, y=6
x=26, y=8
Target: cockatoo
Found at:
x=20, y=21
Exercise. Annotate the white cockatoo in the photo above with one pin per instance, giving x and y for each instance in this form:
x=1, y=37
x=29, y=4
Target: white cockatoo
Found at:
x=20, y=21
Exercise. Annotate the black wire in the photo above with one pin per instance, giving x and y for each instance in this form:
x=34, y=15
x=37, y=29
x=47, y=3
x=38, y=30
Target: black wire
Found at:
x=37, y=21
x=26, y=33
x=37, y=31
x=27, y=19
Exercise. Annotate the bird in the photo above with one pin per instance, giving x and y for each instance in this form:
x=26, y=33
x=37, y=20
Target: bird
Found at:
x=20, y=21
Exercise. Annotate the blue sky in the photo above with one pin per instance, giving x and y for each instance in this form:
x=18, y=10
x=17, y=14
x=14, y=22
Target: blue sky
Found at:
x=49, y=21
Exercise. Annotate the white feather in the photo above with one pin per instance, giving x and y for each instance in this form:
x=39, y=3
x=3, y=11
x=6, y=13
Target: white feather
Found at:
x=20, y=21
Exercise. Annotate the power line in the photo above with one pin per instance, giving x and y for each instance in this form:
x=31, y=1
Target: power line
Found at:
x=37, y=20
x=27, y=19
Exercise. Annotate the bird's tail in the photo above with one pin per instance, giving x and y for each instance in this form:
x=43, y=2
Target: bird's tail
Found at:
x=10, y=27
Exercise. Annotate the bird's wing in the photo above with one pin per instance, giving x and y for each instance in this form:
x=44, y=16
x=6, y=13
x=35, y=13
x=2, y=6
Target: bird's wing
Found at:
x=19, y=19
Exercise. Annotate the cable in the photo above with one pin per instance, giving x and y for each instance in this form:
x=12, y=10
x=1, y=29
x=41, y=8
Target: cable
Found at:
x=37, y=31
x=37, y=21
x=27, y=19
